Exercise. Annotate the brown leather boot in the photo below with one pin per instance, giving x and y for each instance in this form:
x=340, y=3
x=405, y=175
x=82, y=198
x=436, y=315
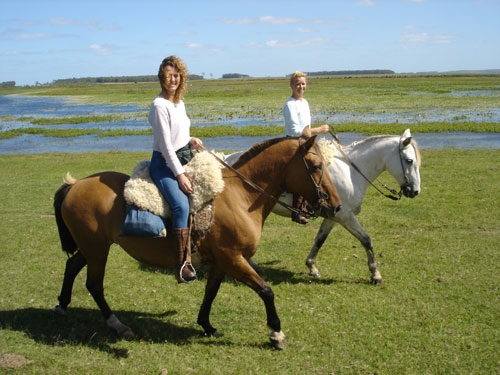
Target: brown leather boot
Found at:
x=185, y=272
x=298, y=202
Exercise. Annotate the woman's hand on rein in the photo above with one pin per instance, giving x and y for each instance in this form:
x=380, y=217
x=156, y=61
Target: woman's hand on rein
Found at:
x=195, y=143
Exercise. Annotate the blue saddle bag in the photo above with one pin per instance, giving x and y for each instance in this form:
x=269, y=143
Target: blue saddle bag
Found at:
x=141, y=223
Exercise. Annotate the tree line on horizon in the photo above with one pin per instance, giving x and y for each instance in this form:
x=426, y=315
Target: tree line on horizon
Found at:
x=192, y=77
x=195, y=77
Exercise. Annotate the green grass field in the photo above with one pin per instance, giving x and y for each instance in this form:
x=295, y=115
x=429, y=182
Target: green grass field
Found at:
x=437, y=312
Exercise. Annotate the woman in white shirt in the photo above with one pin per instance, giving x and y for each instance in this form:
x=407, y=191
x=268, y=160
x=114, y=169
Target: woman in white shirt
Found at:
x=298, y=117
x=171, y=151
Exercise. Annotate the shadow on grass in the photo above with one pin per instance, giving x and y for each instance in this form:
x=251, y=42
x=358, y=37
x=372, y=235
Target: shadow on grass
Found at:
x=277, y=275
x=86, y=327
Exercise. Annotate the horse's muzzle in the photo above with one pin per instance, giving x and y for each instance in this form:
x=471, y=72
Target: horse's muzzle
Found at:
x=408, y=192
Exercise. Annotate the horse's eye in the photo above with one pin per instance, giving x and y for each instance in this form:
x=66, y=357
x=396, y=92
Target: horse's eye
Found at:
x=317, y=167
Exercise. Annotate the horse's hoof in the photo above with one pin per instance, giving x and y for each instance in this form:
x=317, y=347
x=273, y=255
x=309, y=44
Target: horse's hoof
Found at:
x=59, y=311
x=127, y=334
x=213, y=333
x=377, y=282
x=277, y=340
x=316, y=274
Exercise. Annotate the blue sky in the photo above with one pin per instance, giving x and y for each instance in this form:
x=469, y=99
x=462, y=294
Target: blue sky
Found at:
x=41, y=41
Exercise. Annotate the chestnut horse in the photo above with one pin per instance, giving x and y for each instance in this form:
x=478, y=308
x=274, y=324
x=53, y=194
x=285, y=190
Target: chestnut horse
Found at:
x=90, y=213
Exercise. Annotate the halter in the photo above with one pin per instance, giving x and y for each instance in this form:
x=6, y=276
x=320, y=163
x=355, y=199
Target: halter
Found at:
x=321, y=195
x=396, y=195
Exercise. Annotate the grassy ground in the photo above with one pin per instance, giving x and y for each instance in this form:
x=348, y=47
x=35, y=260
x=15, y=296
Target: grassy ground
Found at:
x=437, y=312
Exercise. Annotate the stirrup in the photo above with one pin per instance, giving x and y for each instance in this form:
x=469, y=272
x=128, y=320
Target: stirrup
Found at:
x=191, y=269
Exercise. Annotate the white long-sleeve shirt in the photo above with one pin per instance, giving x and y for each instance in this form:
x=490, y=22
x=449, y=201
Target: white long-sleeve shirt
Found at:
x=297, y=116
x=170, y=125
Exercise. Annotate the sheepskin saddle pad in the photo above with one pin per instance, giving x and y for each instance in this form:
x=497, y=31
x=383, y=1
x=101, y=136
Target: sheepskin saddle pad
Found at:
x=203, y=170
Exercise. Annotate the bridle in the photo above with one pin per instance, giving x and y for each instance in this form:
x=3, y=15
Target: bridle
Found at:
x=395, y=195
x=322, y=196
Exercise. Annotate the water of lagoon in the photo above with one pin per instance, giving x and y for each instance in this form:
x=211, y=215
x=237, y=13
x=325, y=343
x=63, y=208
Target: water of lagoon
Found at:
x=13, y=108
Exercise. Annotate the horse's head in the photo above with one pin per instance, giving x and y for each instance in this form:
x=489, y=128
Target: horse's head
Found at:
x=307, y=175
x=405, y=167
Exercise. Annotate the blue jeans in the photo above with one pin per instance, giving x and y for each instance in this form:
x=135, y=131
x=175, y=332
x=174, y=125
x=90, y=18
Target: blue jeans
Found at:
x=167, y=183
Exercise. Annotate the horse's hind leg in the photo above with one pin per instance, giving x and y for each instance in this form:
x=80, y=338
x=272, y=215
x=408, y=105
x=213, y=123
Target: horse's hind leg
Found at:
x=95, y=285
x=74, y=265
x=323, y=232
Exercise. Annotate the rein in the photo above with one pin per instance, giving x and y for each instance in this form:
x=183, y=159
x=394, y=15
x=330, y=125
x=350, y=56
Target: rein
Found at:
x=395, y=195
x=257, y=187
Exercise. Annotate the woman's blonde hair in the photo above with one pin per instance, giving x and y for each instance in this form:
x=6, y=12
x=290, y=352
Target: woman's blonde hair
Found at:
x=297, y=75
x=177, y=63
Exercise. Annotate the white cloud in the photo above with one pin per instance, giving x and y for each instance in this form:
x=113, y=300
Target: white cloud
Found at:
x=414, y=38
x=11, y=53
x=278, y=20
x=283, y=20
x=101, y=49
x=289, y=43
x=365, y=3
x=238, y=21
x=93, y=25
x=202, y=47
x=34, y=36
x=304, y=30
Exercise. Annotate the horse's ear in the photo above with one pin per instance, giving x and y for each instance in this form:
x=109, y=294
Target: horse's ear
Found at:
x=406, y=138
x=309, y=143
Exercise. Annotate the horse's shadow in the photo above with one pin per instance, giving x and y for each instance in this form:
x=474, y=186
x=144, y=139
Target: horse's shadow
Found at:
x=44, y=327
x=277, y=275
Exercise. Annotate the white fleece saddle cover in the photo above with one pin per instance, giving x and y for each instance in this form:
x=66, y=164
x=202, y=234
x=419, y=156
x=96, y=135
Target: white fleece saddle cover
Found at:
x=203, y=170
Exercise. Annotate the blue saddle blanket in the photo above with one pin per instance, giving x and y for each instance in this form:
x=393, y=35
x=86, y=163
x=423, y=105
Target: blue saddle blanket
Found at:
x=142, y=223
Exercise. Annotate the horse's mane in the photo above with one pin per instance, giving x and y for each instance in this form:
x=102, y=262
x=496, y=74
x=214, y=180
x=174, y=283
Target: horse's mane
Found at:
x=376, y=137
x=417, y=151
x=256, y=149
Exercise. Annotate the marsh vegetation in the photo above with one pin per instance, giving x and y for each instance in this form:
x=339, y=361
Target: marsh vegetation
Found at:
x=369, y=105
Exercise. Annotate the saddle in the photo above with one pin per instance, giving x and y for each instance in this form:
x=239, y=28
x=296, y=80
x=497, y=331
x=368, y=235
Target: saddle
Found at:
x=147, y=209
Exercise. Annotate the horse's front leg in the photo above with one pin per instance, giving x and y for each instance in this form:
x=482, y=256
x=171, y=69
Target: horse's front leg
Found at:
x=354, y=227
x=323, y=232
x=243, y=272
x=211, y=289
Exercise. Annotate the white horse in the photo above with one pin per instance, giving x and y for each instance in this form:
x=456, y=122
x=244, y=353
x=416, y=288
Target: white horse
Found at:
x=399, y=155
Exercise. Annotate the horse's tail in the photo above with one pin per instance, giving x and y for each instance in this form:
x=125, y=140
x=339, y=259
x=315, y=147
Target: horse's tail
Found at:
x=68, y=243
